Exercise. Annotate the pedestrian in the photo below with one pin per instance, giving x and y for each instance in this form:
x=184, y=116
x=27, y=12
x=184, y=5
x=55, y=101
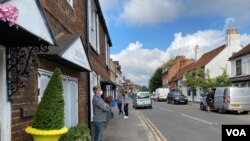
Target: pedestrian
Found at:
x=126, y=103
x=100, y=110
x=119, y=103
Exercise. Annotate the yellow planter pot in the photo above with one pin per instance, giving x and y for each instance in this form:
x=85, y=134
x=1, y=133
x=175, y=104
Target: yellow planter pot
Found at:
x=46, y=135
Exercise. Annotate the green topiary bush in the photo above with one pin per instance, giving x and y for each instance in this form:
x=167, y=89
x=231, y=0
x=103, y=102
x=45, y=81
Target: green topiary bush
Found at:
x=77, y=133
x=50, y=111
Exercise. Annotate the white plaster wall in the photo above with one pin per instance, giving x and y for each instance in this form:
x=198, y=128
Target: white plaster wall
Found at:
x=5, y=106
x=217, y=64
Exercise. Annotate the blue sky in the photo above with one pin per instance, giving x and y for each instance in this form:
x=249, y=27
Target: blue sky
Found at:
x=146, y=33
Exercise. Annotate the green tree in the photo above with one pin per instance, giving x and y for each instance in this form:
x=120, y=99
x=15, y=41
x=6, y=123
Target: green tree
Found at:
x=50, y=111
x=144, y=88
x=222, y=80
x=197, y=78
x=155, y=80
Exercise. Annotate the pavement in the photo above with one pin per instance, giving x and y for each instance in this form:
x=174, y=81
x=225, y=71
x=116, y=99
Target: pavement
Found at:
x=136, y=128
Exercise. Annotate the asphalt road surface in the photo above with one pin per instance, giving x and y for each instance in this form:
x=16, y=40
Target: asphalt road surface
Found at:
x=189, y=123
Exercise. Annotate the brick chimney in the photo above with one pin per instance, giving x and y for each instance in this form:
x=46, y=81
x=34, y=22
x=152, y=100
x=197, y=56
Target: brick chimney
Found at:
x=232, y=37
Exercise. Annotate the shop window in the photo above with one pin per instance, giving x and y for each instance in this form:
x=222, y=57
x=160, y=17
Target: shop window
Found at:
x=70, y=94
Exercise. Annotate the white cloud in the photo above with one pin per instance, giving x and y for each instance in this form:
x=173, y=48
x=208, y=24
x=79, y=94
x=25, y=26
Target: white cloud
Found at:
x=148, y=12
x=138, y=63
x=185, y=44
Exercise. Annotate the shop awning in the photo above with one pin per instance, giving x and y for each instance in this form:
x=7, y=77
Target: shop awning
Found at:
x=69, y=51
x=31, y=28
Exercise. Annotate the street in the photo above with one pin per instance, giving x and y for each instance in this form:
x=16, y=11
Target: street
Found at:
x=189, y=123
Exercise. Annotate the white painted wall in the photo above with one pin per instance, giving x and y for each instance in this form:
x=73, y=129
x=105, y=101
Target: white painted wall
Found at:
x=5, y=106
x=217, y=64
x=245, y=65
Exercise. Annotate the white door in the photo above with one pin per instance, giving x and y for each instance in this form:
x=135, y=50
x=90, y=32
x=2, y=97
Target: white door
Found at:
x=5, y=107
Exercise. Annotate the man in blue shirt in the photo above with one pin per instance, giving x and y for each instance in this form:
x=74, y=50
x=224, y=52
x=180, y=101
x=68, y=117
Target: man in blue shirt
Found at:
x=100, y=109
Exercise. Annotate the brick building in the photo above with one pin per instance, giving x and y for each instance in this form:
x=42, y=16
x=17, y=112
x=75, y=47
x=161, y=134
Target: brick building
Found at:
x=99, y=44
x=169, y=73
x=58, y=32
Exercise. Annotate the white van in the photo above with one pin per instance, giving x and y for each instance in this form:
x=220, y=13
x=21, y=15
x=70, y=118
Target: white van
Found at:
x=161, y=94
x=229, y=99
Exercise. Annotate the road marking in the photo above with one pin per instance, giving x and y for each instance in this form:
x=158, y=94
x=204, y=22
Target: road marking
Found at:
x=198, y=119
x=165, y=109
x=154, y=130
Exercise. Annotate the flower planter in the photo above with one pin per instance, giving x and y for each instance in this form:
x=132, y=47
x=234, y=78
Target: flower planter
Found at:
x=46, y=135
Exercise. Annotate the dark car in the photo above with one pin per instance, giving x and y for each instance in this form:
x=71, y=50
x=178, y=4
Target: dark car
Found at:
x=177, y=98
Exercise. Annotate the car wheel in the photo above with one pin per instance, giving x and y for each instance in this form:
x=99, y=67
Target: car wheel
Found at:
x=150, y=107
x=186, y=103
x=221, y=111
x=202, y=107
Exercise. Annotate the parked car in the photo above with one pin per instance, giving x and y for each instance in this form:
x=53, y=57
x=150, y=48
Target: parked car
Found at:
x=227, y=99
x=142, y=99
x=176, y=98
x=152, y=96
x=161, y=94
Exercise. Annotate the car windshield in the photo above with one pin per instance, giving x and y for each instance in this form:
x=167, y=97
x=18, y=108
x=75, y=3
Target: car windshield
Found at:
x=143, y=95
x=177, y=94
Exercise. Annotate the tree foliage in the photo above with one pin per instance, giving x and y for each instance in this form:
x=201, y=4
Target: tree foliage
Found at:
x=199, y=78
x=144, y=88
x=50, y=112
x=155, y=80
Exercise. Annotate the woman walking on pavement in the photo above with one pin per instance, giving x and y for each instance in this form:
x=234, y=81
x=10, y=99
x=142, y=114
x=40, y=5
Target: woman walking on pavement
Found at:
x=126, y=102
x=119, y=104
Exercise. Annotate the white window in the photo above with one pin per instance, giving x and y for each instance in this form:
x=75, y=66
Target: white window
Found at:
x=71, y=3
x=70, y=94
x=94, y=34
x=107, y=50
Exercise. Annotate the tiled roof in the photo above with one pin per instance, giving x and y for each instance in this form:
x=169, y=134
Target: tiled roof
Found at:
x=207, y=57
x=204, y=60
x=182, y=71
x=244, y=51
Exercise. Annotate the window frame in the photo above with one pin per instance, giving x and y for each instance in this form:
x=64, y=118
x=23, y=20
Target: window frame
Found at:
x=69, y=117
x=94, y=29
x=238, y=67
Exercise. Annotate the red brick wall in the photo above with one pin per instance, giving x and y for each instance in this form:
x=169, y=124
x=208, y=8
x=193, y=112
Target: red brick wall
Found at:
x=62, y=18
x=26, y=96
x=98, y=61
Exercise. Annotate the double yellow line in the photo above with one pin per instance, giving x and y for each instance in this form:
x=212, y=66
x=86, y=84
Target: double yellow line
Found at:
x=153, y=129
